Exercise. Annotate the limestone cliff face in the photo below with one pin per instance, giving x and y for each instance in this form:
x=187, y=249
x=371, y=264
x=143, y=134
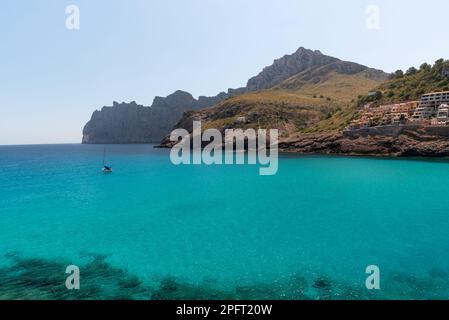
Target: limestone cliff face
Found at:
x=124, y=123
x=133, y=123
x=288, y=66
x=309, y=66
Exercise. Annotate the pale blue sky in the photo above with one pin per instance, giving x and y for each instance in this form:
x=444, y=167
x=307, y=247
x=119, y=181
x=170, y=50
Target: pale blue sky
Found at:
x=52, y=79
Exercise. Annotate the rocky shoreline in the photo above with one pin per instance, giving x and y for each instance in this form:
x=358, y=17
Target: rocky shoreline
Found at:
x=408, y=144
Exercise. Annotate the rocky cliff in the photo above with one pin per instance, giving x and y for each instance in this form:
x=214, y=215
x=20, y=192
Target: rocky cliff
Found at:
x=124, y=123
x=320, y=95
x=302, y=71
x=408, y=144
x=288, y=66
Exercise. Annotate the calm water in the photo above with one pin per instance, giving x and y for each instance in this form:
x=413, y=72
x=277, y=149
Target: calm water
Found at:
x=155, y=230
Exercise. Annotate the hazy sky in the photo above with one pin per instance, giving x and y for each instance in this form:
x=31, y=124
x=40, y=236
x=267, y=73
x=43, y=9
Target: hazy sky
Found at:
x=52, y=78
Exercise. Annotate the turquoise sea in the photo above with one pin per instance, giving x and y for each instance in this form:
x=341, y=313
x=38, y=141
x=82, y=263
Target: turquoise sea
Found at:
x=152, y=230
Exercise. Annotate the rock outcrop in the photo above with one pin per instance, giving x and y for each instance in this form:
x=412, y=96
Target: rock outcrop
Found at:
x=288, y=66
x=309, y=65
x=124, y=123
x=133, y=123
x=408, y=144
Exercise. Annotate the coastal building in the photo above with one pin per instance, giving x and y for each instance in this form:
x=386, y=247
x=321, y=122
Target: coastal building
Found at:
x=431, y=110
x=429, y=104
x=442, y=115
x=398, y=113
x=403, y=112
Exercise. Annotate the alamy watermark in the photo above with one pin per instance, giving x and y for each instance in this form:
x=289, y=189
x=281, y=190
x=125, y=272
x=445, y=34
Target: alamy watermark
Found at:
x=373, y=280
x=73, y=280
x=72, y=21
x=239, y=147
x=372, y=21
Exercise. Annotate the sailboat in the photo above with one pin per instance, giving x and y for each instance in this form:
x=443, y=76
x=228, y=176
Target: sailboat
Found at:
x=106, y=169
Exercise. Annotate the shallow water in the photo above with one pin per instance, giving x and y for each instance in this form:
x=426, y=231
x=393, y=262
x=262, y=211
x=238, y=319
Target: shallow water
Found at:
x=155, y=230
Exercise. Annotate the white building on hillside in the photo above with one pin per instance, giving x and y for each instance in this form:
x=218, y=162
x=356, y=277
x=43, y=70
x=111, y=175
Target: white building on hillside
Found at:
x=443, y=115
x=429, y=104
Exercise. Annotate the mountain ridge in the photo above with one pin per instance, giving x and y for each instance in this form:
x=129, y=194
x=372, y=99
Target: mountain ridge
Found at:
x=132, y=123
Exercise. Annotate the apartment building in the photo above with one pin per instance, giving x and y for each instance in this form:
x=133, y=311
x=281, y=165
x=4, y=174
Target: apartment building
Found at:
x=429, y=104
x=402, y=112
x=442, y=115
x=385, y=114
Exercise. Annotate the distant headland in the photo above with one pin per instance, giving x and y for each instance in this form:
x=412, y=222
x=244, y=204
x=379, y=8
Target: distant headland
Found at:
x=319, y=104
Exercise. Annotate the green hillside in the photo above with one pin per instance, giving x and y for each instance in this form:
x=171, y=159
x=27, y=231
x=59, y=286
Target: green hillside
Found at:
x=296, y=105
x=400, y=87
x=412, y=84
x=324, y=99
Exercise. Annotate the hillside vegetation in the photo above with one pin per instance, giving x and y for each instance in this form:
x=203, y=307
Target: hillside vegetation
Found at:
x=268, y=109
x=412, y=84
x=305, y=101
x=400, y=87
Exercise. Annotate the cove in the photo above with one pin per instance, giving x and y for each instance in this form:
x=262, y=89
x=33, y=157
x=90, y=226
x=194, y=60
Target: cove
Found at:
x=308, y=231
